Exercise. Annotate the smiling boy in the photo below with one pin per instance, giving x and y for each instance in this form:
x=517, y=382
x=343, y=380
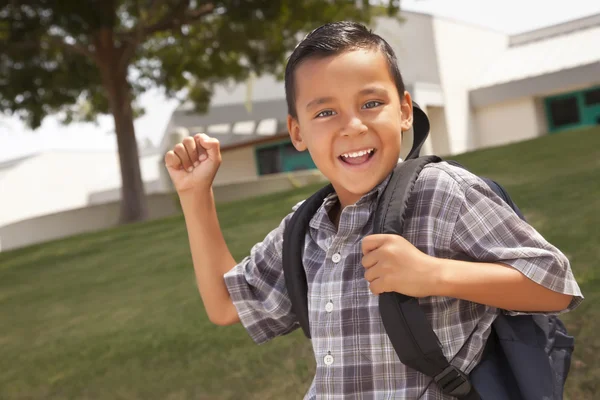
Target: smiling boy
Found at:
x=465, y=254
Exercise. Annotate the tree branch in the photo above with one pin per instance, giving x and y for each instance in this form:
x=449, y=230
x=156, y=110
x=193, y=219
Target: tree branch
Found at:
x=155, y=7
x=179, y=16
x=53, y=40
x=74, y=47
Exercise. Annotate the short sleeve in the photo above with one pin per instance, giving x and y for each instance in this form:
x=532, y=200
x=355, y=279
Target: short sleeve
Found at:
x=488, y=230
x=257, y=288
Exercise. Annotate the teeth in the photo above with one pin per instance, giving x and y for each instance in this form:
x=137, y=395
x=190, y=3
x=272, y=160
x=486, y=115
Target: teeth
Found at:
x=357, y=154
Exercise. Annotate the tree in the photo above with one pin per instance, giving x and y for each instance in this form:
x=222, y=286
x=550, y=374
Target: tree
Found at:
x=83, y=58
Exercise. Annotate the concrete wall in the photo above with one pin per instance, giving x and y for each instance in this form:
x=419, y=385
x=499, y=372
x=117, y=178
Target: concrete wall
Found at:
x=412, y=39
x=56, y=181
x=509, y=122
x=160, y=205
x=440, y=143
x=463, y=52
x=73, y=222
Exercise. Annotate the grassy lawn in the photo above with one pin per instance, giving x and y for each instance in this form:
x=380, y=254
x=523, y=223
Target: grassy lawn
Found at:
x=116, y=314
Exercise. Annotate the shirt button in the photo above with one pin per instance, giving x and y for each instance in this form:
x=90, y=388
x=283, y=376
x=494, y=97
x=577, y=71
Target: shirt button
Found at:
x=336, y=258
x=328, y=360
x=329, y=306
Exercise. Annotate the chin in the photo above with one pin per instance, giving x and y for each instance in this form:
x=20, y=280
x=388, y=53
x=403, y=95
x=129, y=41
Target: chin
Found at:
x=355, y=189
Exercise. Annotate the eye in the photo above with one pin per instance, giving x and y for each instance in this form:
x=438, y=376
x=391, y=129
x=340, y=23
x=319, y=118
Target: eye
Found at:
x=372, y=104
x=325, y=113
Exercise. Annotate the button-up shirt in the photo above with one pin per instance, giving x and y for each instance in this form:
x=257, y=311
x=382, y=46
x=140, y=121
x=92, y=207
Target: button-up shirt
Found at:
x=451, y=214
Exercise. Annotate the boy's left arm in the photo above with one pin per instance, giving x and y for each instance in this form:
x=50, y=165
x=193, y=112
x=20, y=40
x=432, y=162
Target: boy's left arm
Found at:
x=516, y=269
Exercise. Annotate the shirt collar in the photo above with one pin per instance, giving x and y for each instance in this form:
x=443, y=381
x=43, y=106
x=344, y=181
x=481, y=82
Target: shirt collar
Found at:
x=330, y=200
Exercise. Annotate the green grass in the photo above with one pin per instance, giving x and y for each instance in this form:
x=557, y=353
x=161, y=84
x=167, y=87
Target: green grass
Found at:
x=116, y=314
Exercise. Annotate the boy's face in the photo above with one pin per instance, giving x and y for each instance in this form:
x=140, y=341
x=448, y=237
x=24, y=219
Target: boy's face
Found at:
x=350, y=118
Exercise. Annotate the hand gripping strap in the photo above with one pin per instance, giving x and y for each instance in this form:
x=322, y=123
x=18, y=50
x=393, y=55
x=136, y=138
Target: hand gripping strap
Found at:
x=409, y=331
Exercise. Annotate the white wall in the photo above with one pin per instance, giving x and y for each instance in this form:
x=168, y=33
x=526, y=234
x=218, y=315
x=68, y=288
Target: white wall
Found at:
x=72, y=222
x=160, y=205
x=463, y=53
x=413, y=42
x=508, y=122
x=56, y=181
x=237, y=165
x=440, y=143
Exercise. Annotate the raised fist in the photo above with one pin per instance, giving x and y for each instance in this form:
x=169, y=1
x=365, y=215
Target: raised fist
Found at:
x=193, y=163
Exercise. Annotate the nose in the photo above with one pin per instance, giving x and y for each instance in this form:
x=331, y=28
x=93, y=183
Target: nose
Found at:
x=354, y=126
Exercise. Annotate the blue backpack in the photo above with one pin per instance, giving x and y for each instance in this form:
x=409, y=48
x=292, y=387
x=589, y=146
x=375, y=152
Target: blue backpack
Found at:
x=527, y=357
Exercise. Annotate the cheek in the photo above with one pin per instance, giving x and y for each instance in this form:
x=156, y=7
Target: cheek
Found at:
x=318, y=137
x=389, y=117
x=319, y=147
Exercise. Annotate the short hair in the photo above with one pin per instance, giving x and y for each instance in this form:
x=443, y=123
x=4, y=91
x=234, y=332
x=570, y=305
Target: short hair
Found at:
x=335, y=38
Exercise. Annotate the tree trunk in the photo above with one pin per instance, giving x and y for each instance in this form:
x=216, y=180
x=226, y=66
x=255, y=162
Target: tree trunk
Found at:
x=133, y=200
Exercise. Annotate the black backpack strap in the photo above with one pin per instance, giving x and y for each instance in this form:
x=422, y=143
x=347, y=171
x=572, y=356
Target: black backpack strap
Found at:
x=293, y=248
x=409, y=331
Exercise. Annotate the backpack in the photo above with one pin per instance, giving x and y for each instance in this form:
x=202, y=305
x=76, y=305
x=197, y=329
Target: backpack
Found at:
x=526, y=357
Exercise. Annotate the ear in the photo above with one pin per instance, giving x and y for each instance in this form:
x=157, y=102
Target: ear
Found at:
x=294, y=131
x=407, y=112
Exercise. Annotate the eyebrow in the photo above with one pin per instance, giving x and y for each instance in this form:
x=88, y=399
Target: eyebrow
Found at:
x=367, y=91
x=318, y=101
x=373, y=90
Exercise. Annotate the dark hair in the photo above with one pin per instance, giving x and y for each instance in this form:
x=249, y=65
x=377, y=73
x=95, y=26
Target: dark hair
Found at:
x=331, y=39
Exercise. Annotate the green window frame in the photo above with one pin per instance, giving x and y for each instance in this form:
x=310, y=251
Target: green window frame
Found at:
x=285, y=158
x=587, y=102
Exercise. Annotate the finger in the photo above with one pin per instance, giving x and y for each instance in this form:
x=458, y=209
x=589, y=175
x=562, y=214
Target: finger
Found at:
x=378, y=286
x=372, y=274
x=211, y=145
x=190, y=146
x=372, y=242
x=202, y=155
x=181, y=152
x=172, y=161
x=370, y=260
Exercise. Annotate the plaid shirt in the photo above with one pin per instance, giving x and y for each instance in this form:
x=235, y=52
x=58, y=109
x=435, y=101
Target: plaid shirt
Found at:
x=454, y=215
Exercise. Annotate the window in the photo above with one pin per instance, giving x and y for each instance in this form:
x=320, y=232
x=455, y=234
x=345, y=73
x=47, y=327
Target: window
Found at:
x=564, y=111
x=294, y=160
x=573, y=110
x=592, y=97
x=282, y=157
x=269, y=160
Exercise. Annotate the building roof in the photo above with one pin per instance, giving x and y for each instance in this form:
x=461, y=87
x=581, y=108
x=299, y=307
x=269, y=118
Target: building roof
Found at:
x=234, y=124
x=232, y=118
x=545, y=51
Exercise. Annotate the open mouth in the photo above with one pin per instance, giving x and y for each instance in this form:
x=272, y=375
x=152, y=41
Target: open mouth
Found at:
x=357, y=157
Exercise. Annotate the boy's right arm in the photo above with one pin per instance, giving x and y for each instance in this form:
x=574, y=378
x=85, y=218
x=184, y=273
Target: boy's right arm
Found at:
x=192, y=166
x=211, y=257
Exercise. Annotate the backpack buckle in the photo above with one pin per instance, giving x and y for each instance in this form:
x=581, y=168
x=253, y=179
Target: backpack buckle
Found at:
x=453, y=382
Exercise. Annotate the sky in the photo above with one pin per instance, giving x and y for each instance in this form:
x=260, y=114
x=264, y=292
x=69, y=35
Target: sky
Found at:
x=509, y=16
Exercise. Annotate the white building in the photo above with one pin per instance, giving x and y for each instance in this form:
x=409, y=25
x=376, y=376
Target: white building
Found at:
x=480, y=88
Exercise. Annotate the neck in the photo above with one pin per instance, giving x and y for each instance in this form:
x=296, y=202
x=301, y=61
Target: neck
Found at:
x=334, y=214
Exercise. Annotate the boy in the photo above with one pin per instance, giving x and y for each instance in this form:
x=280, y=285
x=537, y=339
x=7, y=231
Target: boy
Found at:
x=465, y=254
